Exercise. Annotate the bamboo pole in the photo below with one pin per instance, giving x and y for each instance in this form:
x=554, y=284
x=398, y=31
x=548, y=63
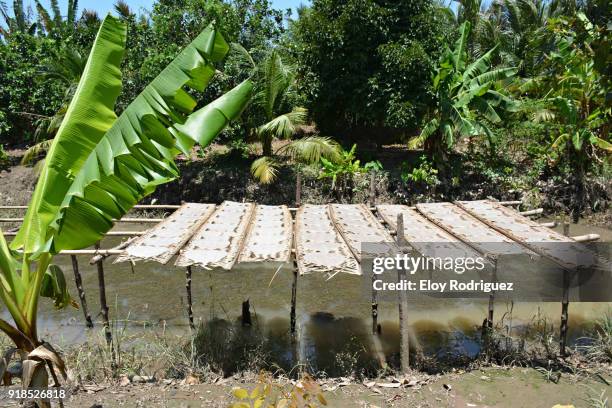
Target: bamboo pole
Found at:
x=142, y=220
x=108, y=234
x=403, y=302
x=298, y=190
x=586, y=238
x=412, y=207
x=492, y=298
x=372, y=197
x=189, y=298
x=104, y=310
x=564, y=303
x=101, y=256
x=292, y=318
x=107, y=252
x=537, y=211
x=372, y=204
x=140, y=206
x=79, y=285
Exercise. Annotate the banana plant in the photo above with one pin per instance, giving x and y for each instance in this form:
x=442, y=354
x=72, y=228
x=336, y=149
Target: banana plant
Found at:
x=99, y=166
x=466, y=99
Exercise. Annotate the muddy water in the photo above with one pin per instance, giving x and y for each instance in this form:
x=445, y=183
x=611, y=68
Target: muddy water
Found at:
x=333, y=316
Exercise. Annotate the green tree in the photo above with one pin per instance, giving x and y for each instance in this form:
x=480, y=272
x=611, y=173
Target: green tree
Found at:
x=363, y=64
x=467, y=100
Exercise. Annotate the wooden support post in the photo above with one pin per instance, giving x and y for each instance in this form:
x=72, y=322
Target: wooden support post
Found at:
x=79, y=285
x=189, y=298
x=104, y=310
x=298, y=188
x=487, y=325
x=246, y=313
x=372, y=198
x=564, y=303
x=564, y=314
x=403, y=302
x=293, y=298
x=492, y=298
x=375, y=327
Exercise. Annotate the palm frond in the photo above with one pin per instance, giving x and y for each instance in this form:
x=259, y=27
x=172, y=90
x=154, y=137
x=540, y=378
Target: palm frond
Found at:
x=242, y=56
x=73, y=6
x=285, y=126
x=90, y=17
x=276, y=79
x=20, y=17
x=47, y=21
x=123, y=9
x=57, y=14
x=311, y=149
x=35, y=152
x=264, y=170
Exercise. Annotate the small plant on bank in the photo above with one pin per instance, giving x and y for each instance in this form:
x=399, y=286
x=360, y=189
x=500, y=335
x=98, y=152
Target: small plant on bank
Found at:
x=424, y=175
x=342, y=170
x=599, y=340
x=306, y=393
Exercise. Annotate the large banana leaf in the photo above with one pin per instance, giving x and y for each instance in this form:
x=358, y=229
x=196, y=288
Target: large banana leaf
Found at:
x=100, y=166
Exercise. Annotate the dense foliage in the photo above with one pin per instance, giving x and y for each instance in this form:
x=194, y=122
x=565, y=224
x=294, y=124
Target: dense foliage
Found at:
x=513, y=93
x=365, y=65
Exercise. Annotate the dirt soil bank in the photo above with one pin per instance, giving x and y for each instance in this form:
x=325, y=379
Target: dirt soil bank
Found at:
x=491, y=387
x=220, y=174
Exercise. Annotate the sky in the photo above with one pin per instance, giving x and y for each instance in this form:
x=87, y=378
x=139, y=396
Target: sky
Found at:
x=103, y=6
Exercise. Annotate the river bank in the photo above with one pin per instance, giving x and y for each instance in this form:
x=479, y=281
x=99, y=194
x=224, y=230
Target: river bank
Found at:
x=219, y=173
x=157, y=358
x=487, y=387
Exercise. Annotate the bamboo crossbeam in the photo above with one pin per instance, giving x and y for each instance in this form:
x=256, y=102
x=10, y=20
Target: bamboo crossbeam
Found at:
x=107, y=252
x=143, y=220
x=174, y=207
x=137, y=207
x=110, y=233
x=586, y=238
x=504, y=203
x=551, y=224
x=537, y=211
x=121, y=246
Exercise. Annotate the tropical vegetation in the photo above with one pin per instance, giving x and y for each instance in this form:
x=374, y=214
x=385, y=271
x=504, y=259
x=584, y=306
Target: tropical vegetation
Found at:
x=511, y=96
x=100, y=165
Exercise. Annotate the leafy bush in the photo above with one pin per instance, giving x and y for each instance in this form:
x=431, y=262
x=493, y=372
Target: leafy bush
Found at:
x=423, y=175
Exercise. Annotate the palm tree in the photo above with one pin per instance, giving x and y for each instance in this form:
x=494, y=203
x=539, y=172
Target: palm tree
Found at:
x=19, y=23
x=274, y=89
x=274, y=85
x=55, y=25
x=467, y=99
x=307, y=150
